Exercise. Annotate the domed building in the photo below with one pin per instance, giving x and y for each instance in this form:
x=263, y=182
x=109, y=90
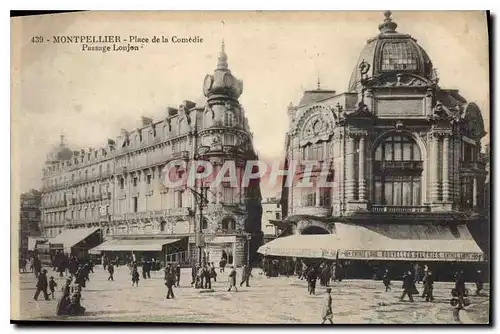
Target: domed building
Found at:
x=400, y=155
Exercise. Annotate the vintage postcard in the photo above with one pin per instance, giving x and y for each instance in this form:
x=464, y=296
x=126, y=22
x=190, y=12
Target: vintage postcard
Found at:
x=251, y=167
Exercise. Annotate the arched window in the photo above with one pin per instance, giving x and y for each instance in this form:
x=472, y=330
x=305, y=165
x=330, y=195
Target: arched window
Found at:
x=397, y=172
x=163, y=224
x=205, y=224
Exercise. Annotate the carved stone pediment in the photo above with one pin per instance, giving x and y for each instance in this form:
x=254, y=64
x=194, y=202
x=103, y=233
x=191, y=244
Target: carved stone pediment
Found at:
x=400, y=80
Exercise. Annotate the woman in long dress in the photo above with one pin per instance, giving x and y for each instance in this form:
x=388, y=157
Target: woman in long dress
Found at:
x=327, y=307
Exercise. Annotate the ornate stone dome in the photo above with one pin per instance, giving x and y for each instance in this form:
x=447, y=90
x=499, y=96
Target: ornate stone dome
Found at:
x=391, y=52
x=222, y=82
x=60, y=152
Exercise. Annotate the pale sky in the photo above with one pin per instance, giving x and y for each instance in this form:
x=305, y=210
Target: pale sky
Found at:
x=90, y=96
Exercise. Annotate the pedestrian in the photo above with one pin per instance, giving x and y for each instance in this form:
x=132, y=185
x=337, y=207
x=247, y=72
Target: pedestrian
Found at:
x=52, y=286
x=135, y=277
x=386, y=280
x=312, y=277
x=111, y=271
x=199, y=277
x=42, y=285
x=246, y=271
x=194, y=273
x=479, y=282
x=232, y=279
x=213, y=272
x=178, y=274
x=408, y=285
x=327, y=307
x=429, y=286
x=169, y=282
x=222, y=264
x=65, y=298
x=460, y=288
x=207, y=276
x=75, y=308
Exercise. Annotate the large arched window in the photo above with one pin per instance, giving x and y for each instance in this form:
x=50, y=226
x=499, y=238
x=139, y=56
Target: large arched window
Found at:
x=397, y=172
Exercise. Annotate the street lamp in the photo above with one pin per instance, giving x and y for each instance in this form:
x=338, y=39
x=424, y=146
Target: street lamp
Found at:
x=200, y=201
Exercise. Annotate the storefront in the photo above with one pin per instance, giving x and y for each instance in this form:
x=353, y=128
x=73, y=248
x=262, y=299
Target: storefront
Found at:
x=76, y=242
x=167, y=250
x=365, y=250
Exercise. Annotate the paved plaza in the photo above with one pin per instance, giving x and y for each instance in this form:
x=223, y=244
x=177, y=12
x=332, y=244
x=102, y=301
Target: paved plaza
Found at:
x=278, y=300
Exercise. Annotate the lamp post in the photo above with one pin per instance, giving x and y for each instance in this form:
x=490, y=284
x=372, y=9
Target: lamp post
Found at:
x=201, y=201
x=249, y=239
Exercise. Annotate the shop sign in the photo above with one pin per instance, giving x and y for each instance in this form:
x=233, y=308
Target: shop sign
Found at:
x=410, y=255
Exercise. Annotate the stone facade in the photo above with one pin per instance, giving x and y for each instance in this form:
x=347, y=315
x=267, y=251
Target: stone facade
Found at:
x=398, y=146
x=121, y=187
x=29, y=220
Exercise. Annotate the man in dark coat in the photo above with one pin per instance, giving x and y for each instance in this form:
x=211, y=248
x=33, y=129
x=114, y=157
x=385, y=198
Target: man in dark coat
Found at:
x=111, y=271
x=222, y=264
x=387, y=281
x=312, y=277
x=207, y=277
x=177, y=274
x=232, y=279
x=479, y=282
x=428, y=286
x=408, y=285
x=42, y=285
x=169, y=282
x=460, y=288
x=246, y=271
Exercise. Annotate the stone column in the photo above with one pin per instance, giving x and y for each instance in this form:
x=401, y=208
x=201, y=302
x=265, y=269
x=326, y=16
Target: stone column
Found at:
x=434, y=168
x=446, y=169
x=361, y=177
x=349, y=167
x=316, y=189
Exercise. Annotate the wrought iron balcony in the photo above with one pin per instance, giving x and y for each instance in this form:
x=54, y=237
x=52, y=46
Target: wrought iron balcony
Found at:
x=392, y=165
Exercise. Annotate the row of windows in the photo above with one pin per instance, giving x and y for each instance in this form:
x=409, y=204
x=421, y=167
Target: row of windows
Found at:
x=310, y=199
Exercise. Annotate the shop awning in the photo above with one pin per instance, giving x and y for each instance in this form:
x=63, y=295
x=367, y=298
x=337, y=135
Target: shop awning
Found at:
x=139, y=245
x=309, y=246
x=33, y=241
x=412, y=242
x=69, y=238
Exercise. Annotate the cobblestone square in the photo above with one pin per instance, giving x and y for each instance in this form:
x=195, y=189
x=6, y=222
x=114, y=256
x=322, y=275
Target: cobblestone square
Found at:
x=278, y=300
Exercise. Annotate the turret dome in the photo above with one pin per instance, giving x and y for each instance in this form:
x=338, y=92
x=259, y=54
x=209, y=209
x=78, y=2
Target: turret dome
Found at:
x=222, y=82
x=391, y=52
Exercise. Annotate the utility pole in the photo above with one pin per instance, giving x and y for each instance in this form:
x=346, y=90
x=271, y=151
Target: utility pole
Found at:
x=200, y=201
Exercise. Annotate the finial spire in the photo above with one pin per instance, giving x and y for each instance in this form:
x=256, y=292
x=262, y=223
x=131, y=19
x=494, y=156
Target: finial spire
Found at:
x=319, y=83
x=222, y=61
x=388, y=26
x=62, y=139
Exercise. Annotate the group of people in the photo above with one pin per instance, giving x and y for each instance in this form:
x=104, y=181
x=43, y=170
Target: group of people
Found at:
x=76, y=278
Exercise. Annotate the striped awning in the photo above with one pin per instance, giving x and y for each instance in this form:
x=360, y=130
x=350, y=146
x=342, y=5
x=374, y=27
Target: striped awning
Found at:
x=139, y=245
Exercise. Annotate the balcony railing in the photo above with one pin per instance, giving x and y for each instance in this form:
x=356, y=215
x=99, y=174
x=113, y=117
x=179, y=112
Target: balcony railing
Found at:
x=322, y=211
x=389, y=165
x=400, y=209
